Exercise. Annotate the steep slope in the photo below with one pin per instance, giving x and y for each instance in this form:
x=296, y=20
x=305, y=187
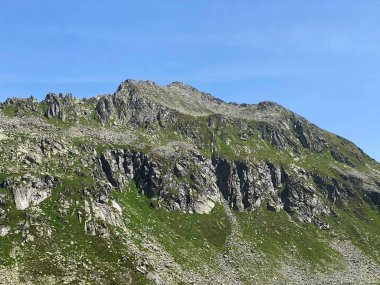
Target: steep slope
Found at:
x=169, y=185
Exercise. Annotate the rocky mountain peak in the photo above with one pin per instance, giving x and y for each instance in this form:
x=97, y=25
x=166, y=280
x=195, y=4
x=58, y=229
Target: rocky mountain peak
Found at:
x=165, y=184
x=269, y=106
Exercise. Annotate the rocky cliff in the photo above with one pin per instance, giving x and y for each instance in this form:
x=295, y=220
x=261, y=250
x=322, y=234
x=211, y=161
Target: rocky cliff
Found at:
x=167, y=184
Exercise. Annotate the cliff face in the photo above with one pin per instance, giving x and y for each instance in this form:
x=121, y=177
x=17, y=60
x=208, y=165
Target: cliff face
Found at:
x=69, y=166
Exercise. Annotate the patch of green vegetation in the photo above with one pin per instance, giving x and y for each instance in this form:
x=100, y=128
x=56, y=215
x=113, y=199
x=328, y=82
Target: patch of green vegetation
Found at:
x=190, y=238
x=9, y=111
x=6, y=246
x=321, y=163
x=96, y=258
x=43, y=107
x=101, y=148
x=2, y=177
x=225, y=149
x=58, y=123
x=265, y=151
x=280, y=238
x=91, y=120
x=359, y=223
x=349, y=152
x=7, y=243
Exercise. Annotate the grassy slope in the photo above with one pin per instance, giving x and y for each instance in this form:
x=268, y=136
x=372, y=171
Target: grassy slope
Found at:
x=189, y=238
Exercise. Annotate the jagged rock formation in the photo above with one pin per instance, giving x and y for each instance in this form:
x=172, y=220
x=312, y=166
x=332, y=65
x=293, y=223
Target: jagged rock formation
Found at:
x=69, y=169
x=198, y=193
x=28, y=190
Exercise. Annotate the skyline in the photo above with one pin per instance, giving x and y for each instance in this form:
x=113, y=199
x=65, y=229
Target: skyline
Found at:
x=318, y=59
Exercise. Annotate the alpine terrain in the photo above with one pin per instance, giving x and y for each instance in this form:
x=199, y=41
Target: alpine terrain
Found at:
x=170, y=185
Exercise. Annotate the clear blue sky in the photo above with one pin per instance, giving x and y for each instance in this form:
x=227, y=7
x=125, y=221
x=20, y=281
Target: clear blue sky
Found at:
x=318, y=58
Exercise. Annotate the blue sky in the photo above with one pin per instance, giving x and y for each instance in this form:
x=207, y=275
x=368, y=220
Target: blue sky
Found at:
x=318, y=58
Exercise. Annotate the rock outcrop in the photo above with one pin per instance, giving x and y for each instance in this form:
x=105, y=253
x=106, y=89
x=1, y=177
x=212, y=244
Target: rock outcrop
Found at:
x=186, y=185
x=29, y=190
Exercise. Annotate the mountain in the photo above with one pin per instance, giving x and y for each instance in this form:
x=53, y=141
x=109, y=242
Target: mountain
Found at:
x=170, y=185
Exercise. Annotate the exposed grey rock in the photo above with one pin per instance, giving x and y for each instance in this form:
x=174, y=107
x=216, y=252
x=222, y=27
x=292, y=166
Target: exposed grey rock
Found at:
x=198, y=193
x=302, y=200
x=340, y=157
x=4, y=231
x=111, y=214
x=246, y=185
x=33, y=158
x=104, y=109
x=29, y=190
x=55, y=108
x=22, y=105
x=155, y=277
x=179, y=170
x=142, y=265
x=375, y=197
x=2, y=199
